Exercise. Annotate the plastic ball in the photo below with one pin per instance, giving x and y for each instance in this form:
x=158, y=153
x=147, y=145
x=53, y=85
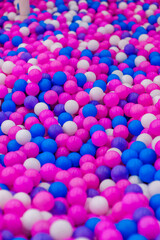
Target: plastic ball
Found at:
x=71, y=107
x=98, y=205
x=127, y=228
x=148, y=226
x=58, y=189
x=61, y=229
x=23, y=136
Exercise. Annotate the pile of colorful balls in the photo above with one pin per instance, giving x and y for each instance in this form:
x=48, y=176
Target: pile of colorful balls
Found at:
x=80, y=120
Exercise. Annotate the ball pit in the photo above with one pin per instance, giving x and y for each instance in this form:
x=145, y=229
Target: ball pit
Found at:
x=80, y=120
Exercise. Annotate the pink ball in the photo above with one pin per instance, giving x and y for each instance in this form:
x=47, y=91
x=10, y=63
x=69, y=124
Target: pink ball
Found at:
x=122, y=91
x=88, y=167
x=76, y=196
x=148, y=226
x=8, y=176
x=99, y=138
x=89, y=122
x=43, y=201
x=3, y=149
x=23, y=184
x=105, y=122
x=50, y=97
x=91, y=180
x=30, y=122
x=131, y=201
x=154, y=127
x=111, y=234
x=137, y=110
x=11, y=158
x=86, y=158
x=12, y=132
x=32, y=89
x=34, y=175
x=78, y=214
x=103, y=225
x=115, y=111
x=74, y=143
x=157, y=164
x=118, y=212
x=14, y=206
x=70, y=87
x=61, y=139
x=112, y=159
x=145, y=99
x=35, y=75
x=122, y=184
x=3, y=91
x=31, y=149
x=12, y=223
x=82, y=98
x=102, y=111
x=63, y=176
x=48, y=172
x=121, y=131
x=111, y=99
x=40, y=226
x=77, y=182
x=45, y=114
x=112, y=194
x=17, y=118
x=157, y=148
x=83, y=134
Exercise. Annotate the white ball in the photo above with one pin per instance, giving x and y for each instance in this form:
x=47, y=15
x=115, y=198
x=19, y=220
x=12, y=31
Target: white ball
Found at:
x=122, y=5
x=143, y=37
x=145, y=189
x=5, y=196
x=101, y=30
x=44, y=185
x=146, y=119
x=91, y=77
x=46, y=215
x=156, y=80
x=2, y=78
x=55, y=23
x=154, y=188
x=39, y=107
x=83, y=64
x=138, y=60
x=127, y=79
x=70, y=127
x=61, y=229
x=24, y=198
x=122, y=43
x=23, y=136
x=156, y=99
x=81, y=238
x=33, y=61
x=32, y=163
x=34, y=67
x=30, y=217
x=146, y=82
x=120, y=57
x=115, y=149
x=114, y=40
x=86, y=19
x=145, y=138
x=154, y=141
x=154, y=93
x=71, y=106
x=1, y=63
x=134, y=179
x=25, y=31
x=96, y=93
x=109, y=28
x=119, y=73
x=6, y=125
x=109, y=132
x=148, y=47
x=99, y=205
x=106, y=184
x=50, y=5
x=7, y=67
x=93, y=45
x=11, y=16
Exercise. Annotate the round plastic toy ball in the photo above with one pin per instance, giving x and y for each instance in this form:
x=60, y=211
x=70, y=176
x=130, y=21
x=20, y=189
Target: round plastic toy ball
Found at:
x=153, y=188
x=59, y=78
x=71, y=107
x=96, y=93
x=98, y=205
x=70, y=128
x=30, y=217
x=93, y=45
x=99, y=138
x=61, y=229
x=127, y=228
x=6, y=125
x=58, y=189
x=7, y=67
x=43, y=201
x=148, y=226
x=137, y=237
x=23, y=136
x=5, y=196
x=39, y=107
x=111, y=233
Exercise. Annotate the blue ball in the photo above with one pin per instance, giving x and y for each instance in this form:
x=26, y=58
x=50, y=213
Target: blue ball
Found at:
x=64, y=117
x=128, y=154
x=157, y=175
x=101, y=84
x=49, y=145
x=154, y=202
x=38, y=140
x=158, y=214
x=2, y=160
x=41, y=97
x=127, y=228
x=8, y=106
x=44, y=84
x=104, y=53
x=103, y=172
x=16, y=41
x=96, y=127
x=9, y=96
x=64, y=163
x=106, y=60
x=137, y=146
x=4, y=38
x=155, y=61
x=128, y=71
x=59, y=208
x=152, y=19
x=41, y=236
x=88, y=148
x=29, y=115
x=46, y=157
x=20, y=85
x=3, y=186
x=13, y=145
x=92, y=222
x=59, y=78
x=58, y=189
x=137, y=237
x=81, y=79
x=135, y=127
x=148, y=156
x=120, y=143
x=87, y=53
x=37, y=130
x=133, y=166
x=89, y=110
x=146, y=173
x=54, y=130
x=74, y=157
x=119, y=120
x=73, y=26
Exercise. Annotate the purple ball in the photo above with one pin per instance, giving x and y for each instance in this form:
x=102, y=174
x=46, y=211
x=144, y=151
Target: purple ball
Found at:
x=58, y=109
x=133, y=188
x=50, y=27
x=46, y=75
x=92, y=192
x=133, y=97
x=119, y=172
x=37, y=190
x=103, y=172
x=83, y=232
x=120, y=143
x=57, y=89
x=26, y=56
x=30, y=102
x=54, y=130
x=59, y=208
x=141, y=212
x=7, y=235
x=122, y=103
x=3, y=117
x=129, y=49
x=42, y=236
